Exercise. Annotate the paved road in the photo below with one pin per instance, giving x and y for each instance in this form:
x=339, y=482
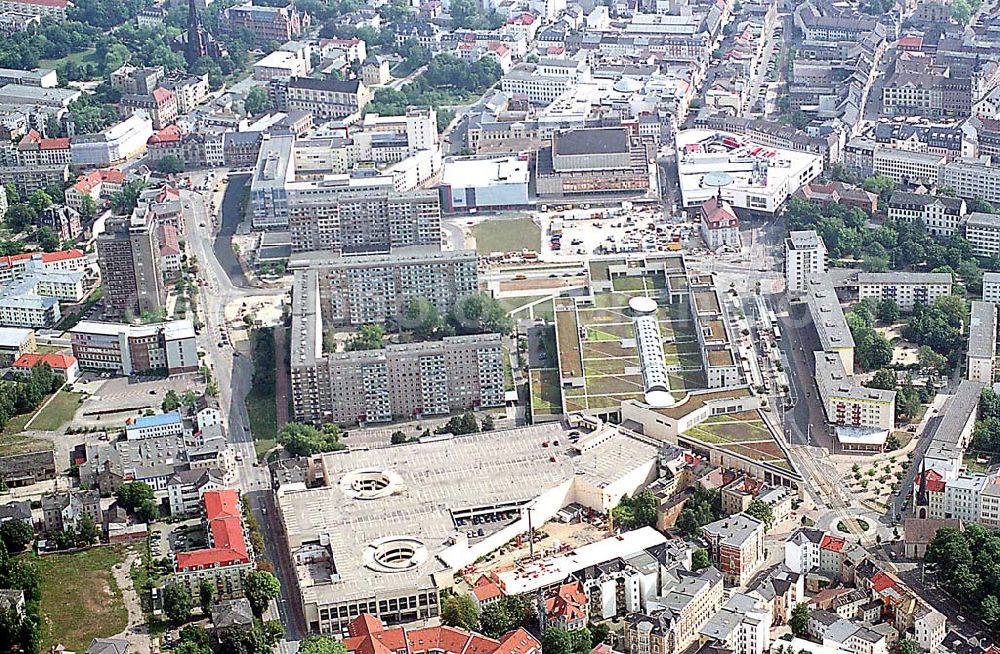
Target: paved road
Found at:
x=232, y=216
x=234, y=375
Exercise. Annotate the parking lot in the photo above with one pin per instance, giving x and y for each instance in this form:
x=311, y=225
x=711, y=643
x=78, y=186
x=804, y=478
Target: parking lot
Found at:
x=110, y=400
x=607, y=231
x=165, y=538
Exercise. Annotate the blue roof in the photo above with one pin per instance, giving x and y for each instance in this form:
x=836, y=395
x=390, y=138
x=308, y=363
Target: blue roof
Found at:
x=156, y=421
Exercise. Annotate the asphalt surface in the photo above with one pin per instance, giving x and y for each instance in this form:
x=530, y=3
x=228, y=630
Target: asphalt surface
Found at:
x=232, y=216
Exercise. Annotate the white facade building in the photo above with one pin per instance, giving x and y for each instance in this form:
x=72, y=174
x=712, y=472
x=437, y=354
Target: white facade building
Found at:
x=805, y=257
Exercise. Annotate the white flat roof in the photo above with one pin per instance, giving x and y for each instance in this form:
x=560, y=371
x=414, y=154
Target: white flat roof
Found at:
x=463, y=173
x=541, y=574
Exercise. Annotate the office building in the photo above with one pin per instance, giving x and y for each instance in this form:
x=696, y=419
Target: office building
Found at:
x=541, y=83
x=805, y=258
x=736, y=546
x=828, y=319
x=28, y=179
x=374, y=289
x=115, y=144
x=588, y=161
x=982, y=352
x=160, y=105
x=53, y=98
x=907, y=166
x=940, y=215
x=156, y=348
x=128, y=256
x=982, y=230
x=906, y=289
x=98, y=185
x=324, y=99
x=267, y=23
x=490, y=183
x=17, y=266
x=34, y=150
x=687, y=606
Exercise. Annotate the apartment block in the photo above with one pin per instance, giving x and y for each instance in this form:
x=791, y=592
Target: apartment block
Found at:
x=338, y=212
x=991, y=287
x=168, y=347
x=736, y=546
x=906, y=166
x=972, y=178
x=14, y=342
x=982, y=230
x=906, y=289
x=982, y=351
x=689, y=605
x=227, y=558
x=128, y=256
x=870, y=411
x=423, y=378
x=941, y=215
x=55, y=9
x=805, y=257
x=374, y=289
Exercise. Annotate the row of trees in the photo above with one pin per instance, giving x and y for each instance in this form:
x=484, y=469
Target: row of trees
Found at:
x=636, y=511
x=986, y=433
x=24, y=396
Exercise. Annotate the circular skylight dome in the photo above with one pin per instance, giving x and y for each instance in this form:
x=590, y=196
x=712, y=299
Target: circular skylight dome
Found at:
x=642, y=305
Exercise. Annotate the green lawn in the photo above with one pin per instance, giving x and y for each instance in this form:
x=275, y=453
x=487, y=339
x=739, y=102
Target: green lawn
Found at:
x=502, y=235
x=88, y=56
x=261, y=407
x=546, y=397
x=80, y=599
x=58, y=412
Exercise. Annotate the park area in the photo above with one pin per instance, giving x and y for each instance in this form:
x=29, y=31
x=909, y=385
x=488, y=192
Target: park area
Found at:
x=80, y=599
x=506, y=235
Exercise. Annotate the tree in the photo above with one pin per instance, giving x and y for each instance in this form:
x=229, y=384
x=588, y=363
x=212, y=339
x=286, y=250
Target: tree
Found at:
x=907, y=646
x=306, y=440
x=487, y=424
x=87, y=532
x=16, y=535
x=260, y=587
x=884, y=379
x=131, y=494
x=556, y=641
x=40, y=201
x=257, y=101
x=176, y=604
x=20, y=216
x=888, y=310
x=321, y=645
x=206, y=593
x=459, y=425
x=88, y=209
x=700, y=560
x=928, y=358
x=636, y=511
x=799, y=620
x=170, y=164
x=147, y=511
x=481, y=314
x=506, y=614
x=398, y=438
x=368, y=337
x=171, y=401
x=704, y=506
x=194, y=633
x=989, y=610
x=761, y=511
x=190, y=647
x=460, y=611
x=598, y=633
x=422, y=318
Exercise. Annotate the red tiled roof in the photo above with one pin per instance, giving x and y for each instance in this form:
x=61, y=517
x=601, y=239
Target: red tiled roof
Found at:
x=168, y=134
x=55, y=361
x=882, y=581
x=161, y=95
x=47, y=257
x=486, y=589
x=225, y=522
x=935, y=482
x=567, y=603
x=111, y=175
x=716, y=213
x=832, y=543
x=367, y=635
x=169, y=243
